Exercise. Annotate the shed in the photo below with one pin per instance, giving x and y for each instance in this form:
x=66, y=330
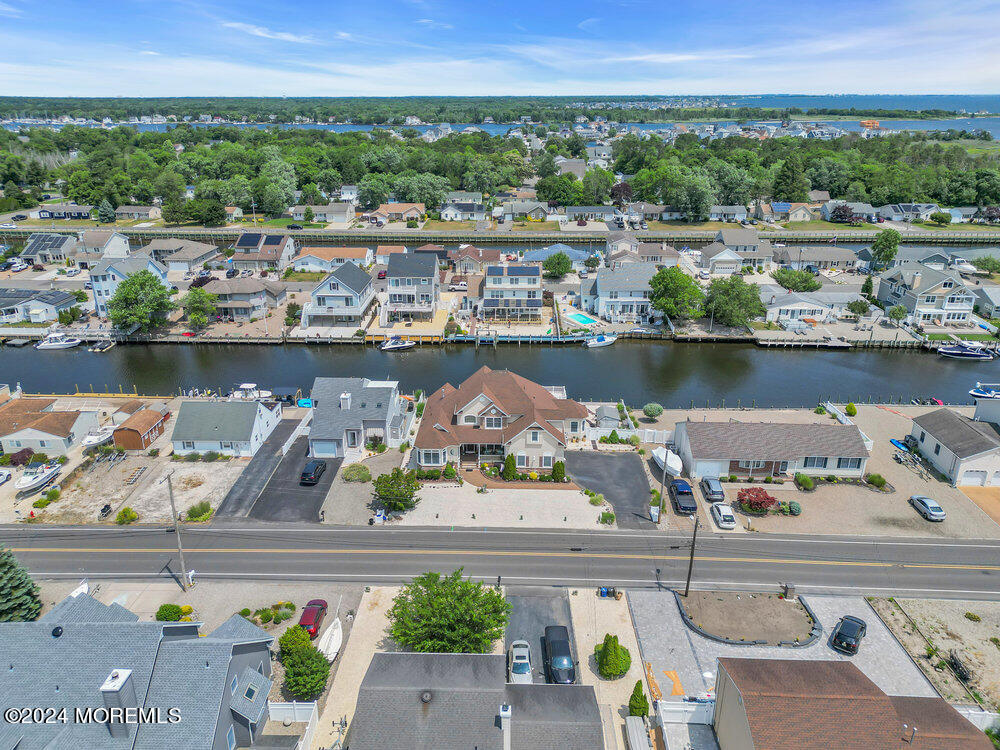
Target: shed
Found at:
x=139, y=431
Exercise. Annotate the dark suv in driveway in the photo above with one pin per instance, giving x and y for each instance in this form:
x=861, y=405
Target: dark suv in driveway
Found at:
x=682, y=497
x=711, y=488
x=848, y=634
x=312, y=472
x=559, y=667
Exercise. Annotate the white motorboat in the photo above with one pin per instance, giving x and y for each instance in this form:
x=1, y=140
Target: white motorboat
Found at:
x=986, y=390
x=668, y=459
x=331, y=640
x=396, y=344
x=600, y=340
x=58, y=341
x=249, y=392
x=966, y=350
x=37, y=476
x=97, y=437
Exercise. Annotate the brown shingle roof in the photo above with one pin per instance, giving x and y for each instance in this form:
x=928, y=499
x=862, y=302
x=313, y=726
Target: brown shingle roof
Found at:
x=131, y=406
x=528, y=402
x=487, y=255
x=21, y=413
x=142, y=421
x=938, y=725
x=750, y=441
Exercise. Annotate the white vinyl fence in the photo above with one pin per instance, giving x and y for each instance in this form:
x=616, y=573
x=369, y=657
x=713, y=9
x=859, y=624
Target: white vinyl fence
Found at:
x=296, y=712
x=659, y=437
x=684, y=712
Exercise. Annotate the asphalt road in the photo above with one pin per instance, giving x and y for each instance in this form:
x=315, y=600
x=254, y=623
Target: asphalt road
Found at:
x=284, y=552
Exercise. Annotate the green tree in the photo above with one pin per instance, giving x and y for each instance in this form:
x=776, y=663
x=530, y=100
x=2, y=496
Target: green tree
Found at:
x=859, y=307
x=734, y=302
x=897, y=313
x=397, y=490
x=613, y=659
x=292, y=640
x=941, y=218
x=198, y=306
x=791, y=183
x=676, y=294
x=174, y=211
x=438, y=613
x=557, y=265
x=868, y=287
x=169, y=613
x=885, y=246
x=592, y=262
x=638, y=704
x=19, y=600
x=652, y=410
x=105, y=212
x=309, y=215
x=141, y=300
x=306, y=673
x=311, y=196
x=509, y=471
x=796, y=281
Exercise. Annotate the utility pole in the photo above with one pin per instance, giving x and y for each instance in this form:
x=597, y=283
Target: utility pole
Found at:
x=694, y=539
x=177, y=533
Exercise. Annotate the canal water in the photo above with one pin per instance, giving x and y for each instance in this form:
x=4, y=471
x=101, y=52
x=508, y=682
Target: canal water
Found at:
x=674, y=374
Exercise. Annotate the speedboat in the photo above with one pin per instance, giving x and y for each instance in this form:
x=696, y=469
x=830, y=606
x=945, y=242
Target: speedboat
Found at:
x=249, y=392
x=102, y=346
x=966, y=350
x=37, y=476
x=97, y=437
x=395, y=344
x=600, y=340
x=982, y=390
x=669, y=460
x=58, y=341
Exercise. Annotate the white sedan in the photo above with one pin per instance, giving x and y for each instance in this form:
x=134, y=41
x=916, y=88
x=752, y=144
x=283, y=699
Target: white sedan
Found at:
x=723, y=516
x=5, y=475
x=519, y=662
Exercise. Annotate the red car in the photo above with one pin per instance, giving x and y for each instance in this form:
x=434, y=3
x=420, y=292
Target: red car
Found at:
x=381, y=274
x=312, y=617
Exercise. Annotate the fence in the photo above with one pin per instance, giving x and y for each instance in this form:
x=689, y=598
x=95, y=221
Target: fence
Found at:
x=982, y=719
x=299, y=431
x=844, y=419
x=296, y=712
x=645, y=436
x=685, y=712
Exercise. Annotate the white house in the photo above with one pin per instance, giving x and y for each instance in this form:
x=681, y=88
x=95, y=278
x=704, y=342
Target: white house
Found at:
x=33, y=305
x=342, y=298
x=929, y=296
x=412, y=287
x=826, y=304
x=727, y=213
x=233, y=428
x=620, y=295
x=95, y=245
x=108, y=274
x=349, y=193
x=325, y=259
x=32, y=423
x=463, y=212
x=965, y=450
x=333, y=213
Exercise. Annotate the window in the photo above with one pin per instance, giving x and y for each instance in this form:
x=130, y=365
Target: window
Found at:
x=922, y=435
x=250, y=692
x=231, y=739
x=937, y=449
x=535, y=436
x=752, y=464
x=814, y=462
x=188, y=445
x=433, y=458
x=573, y=426
x=546, y=461
x=848, y=463
x=470, y=419
x=43, y=443
x=493, y=423
x=522, y=460
x=233, y=685
x=783, y=467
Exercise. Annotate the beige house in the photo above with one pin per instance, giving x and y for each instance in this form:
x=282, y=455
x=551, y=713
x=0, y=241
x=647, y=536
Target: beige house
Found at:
x=494, y=414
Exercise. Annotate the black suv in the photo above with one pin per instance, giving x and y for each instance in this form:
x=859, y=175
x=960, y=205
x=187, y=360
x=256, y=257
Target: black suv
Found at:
x=559, y=667
x=312, y=472
x=848, y=634
x=682, y=497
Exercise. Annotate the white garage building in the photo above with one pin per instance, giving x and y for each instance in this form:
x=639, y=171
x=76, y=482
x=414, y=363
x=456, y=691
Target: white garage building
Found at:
x=965, y=450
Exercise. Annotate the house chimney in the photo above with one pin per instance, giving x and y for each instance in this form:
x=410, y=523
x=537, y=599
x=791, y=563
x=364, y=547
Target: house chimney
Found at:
x=118, y=692
x=345, y=401
x=916, y=279
x=505, y=712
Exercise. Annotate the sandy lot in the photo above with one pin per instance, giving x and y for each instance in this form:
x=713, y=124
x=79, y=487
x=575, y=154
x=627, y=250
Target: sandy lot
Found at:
x=747, y=616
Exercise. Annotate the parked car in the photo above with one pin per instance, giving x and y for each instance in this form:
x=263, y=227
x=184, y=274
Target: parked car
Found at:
x=583, y=274
x=295, y=226
x=643, y=225
x=382, y=274
x=88, y=285
x=5, y=266
x=232, y=273
x=723, y=516
x=682, y=497
x=458, y=286
x=519, y=663
x=926, y=507
x=848, y=634
x=704, y=275
x=559, y=667
x=19, y=217
x=312, y=472
x=73, y=272
x=711, y=488
x=8, y=225
x=5, y=475
x=311, y=619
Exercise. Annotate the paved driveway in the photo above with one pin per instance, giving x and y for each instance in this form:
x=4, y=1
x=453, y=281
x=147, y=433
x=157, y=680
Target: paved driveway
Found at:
x=677, y=652
x=284, y=499
x=245, y=490
x=620, y=478
x=531, y=611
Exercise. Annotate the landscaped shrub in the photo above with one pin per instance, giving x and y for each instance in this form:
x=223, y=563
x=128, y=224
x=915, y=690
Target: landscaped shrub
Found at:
x=52, y=495
x=186, y=609
x=851, y=410
x=40, y=503
x=634, y=440
x=39, y=458
x=210, y=456
x=293, y=639
x=126, y=516
x=356, y=473
x=607, y=517
x=450, y=472
x=652, y=410
x=638, y=704
x=245, y=613
x=290, y=606
x=831, y=478
x=200, y=511
x=169, y=613
x=153, y=452
x=420, y=409
x=613, y=659
x=876, y=480
x=756, y=500
x=558, y=471
x=613, y=437
x=794, y=509
x=306, y=673
x=804, y=481
x=266, y=615
x=819, y=410
x=973, y=617
x=192, y=457
x=509, y=471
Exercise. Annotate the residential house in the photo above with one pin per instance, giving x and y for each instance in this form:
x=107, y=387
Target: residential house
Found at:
x=469, y=259
x=672, y=213
x=763, y=449
x=746, y=243
x=859, y=211
x=209, y=691
x=95, y=245
x=494, y=414
x=181, y=256
x=511, y=292
x=146, y=213
x=141, y=428
x=233, y=213
x=578, y=258
x=908, y=211
x=256, y=251
x=384, y=252
x=400, y=211
x=350, y=413
x=987, y=300
x=464, y=701
x=48, y=247
x=463, y=212
x=463, y=196
x=966, y=450
x=621, y=241
x=644, y=211
x=716, y=258
x=576, y=167
x=929, y=296
x=526, y=209
x=325, y=259
x=61, y=211
x=412, y=287
x=814, y=258
x=620, y=295
x=727, y=213
x=33, y=423
x=591, y=213
x=333, y=213
x=963, y=214
x=659, y=253
x=342, y=298
x=349, y=193
x=33, y=305
x=233, y=428
x=246, y=299
x=818, y=196
x=437, y=251
x=108, y=274
x=799, y=212
x=827, y=304
x=795, y=704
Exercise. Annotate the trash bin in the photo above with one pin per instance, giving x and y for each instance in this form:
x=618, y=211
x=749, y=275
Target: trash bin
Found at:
x=654, y=513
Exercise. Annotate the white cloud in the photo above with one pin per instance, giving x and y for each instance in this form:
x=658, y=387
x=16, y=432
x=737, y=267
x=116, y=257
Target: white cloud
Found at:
x=149, y=52
x=6, y=9
x=430, y=23
x=266, y=33
x=588, y=24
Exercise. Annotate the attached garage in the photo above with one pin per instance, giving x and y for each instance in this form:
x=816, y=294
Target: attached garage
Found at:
x=973, y=478
x=326, y=448
x=965, y=450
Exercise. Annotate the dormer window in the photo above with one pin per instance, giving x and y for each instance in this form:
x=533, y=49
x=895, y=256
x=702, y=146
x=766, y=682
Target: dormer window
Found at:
x=470, y=419
x=948, y=284
x=493, y=423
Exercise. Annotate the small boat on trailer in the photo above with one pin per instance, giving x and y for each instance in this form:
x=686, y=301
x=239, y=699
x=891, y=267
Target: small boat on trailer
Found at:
x=668, y=460
x=100, y=436
x=397, y=344
x=36, y=476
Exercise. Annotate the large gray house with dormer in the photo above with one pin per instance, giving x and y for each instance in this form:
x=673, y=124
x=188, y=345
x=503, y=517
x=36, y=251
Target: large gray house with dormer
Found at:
x=348, y=413
x=412, y=287
x=342, y=298
x=931, y=297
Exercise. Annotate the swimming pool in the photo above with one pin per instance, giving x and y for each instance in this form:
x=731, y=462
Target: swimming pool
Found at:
x=582, y=319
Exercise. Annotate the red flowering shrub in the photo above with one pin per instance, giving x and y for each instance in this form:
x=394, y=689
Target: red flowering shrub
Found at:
x=756, y=500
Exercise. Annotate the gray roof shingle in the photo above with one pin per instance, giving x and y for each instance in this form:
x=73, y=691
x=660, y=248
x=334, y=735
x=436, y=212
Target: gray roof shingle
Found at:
x=352, y=277
x=748, y=441
x=962, y=436
x=215, y=421
x=411, y=265
x=371, y=404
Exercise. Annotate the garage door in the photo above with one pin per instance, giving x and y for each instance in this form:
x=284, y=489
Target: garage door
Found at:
x=973, y=478
x=324, y=448
x=996, y=479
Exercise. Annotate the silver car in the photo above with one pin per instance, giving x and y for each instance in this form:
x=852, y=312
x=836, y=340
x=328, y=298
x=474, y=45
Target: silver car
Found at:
x=519, y=663
x=711, y=488
x=723, y=516
x=926, y=507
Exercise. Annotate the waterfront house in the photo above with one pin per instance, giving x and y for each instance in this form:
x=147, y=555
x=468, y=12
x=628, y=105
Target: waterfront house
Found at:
x=659, y=253
x=987, y=300
x=747, y=244
x=108, y=274
x=526, y=209
x=61, y=211
x=859, y=211
x=233, y=428
x=95, y=245
x=591, y=213
x=233, y=213
x=763, y=449
x=182, y=256
x=619, y=295
x=962, y=214
x=469, y=259
x=716, y=258
x=510, y=292
x=727, y=213
x=578, y=258
x=619, y=242
x=325, y=259
x=497, y=413
x=48, y=247
x=908, y=211
x=464, y=701
x=246, y=299
x=141, y=428
x=642, y=211
x=384, y=252
x=400, y=211
x=33, y=305
x=105, y=657
x=349, y=193
x=965, y=450
x=800, y=257
x=463, y=212
x=146, y=213
x=412, y=287
x=827, y=304
x=33, y=423
x=818, y=196
x=437, y=251
x=343, y=298
x=350, y=413
x=257, y=251
x=463, y=196
x=333, y=213
x=931, y=297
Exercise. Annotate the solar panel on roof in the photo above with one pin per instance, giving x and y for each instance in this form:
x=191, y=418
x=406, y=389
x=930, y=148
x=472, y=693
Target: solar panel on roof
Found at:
x=250, y=239
x=273, y=239
x=494, y=271
x=523, y=271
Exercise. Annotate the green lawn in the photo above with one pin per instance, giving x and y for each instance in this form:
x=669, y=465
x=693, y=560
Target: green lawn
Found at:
x=965, y=336
x=681, y=226
x=760, y=325
x=436, y=225
x=536, y=226
x=286, y=222
x=956, y=227
x=819, y=225
x=304, y=276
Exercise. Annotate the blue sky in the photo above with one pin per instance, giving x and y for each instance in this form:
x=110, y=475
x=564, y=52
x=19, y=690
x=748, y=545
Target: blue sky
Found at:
x=428, y=47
